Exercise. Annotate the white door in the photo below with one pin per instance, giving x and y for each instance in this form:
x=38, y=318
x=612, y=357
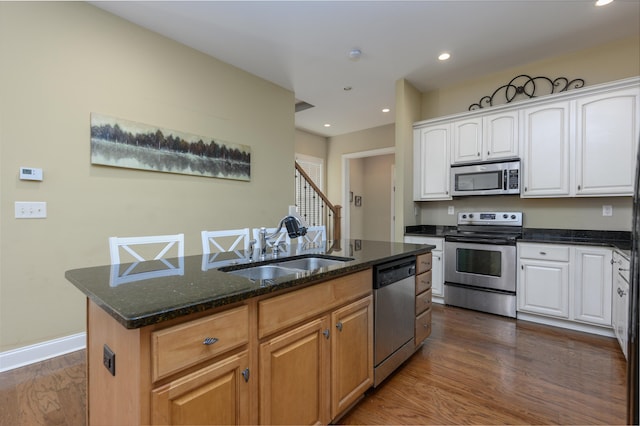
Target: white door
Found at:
x=431, y=163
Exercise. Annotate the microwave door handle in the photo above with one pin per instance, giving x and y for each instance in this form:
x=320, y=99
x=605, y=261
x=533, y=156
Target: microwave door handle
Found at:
x=504, y=180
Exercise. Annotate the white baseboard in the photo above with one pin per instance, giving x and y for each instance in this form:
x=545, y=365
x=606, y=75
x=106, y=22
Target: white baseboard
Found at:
x=41, y=351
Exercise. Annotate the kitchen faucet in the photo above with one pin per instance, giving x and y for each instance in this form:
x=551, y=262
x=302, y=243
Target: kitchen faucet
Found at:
x=295, y=229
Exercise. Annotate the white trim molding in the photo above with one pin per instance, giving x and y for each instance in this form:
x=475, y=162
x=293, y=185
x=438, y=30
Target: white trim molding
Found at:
x=31, y=354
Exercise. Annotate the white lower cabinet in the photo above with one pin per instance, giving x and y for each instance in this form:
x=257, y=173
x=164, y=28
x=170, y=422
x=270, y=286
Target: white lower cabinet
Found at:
x=620, y=315
x=437, y=264
x=565, y=282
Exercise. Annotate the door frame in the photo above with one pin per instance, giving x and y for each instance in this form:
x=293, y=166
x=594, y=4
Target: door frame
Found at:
x=346, y=208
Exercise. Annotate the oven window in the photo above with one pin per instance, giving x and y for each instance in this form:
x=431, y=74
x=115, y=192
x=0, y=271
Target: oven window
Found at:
x=481, y=181
x=481, y=262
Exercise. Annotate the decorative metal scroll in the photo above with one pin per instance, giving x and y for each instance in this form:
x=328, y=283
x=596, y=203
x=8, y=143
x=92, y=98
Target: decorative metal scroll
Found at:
x=525, y=85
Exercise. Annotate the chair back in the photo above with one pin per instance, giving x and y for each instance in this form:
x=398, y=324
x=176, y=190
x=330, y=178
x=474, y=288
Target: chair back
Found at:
x=139, y=249
x=225, y=240
x=315, y=234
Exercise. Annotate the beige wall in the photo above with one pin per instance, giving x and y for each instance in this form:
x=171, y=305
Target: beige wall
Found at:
x=376, y=197
x=609, y=62
x=350, y=143
x=356, y=185
x=309, y=144
x=60, y=62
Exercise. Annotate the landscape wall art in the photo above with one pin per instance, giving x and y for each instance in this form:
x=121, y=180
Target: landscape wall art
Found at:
x=122, y=143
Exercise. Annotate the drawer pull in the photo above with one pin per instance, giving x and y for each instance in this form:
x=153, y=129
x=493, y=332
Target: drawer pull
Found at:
x=209, y=341
x=544, y=253
x=326, y=333
x=245, y=374
x=425, y=325
x=339, y=326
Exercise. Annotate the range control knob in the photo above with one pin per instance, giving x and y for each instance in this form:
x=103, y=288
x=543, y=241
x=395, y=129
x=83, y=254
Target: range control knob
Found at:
x=464, y=216
x=470, y=215
x=504, y=216
x=513, y=216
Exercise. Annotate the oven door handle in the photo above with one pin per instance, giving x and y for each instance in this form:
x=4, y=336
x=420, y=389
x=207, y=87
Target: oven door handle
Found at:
x=494, y=241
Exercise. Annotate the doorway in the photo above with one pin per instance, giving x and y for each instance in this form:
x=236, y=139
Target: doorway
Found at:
x=368, y=194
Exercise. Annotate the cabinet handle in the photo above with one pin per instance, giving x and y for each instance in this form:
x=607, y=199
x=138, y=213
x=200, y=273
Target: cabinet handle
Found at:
x=525, y=189
x=578, y=187
x=478, y=154
x=209, y=341
x=339, y=326
x=522, y=267
x=437, y=257
x=326, y=333
x=245, y=374
x=488, y=153
x=544, y=253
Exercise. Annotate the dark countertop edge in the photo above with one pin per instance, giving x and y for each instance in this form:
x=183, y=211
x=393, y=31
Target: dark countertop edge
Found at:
x=216, y=302
x=616, y=239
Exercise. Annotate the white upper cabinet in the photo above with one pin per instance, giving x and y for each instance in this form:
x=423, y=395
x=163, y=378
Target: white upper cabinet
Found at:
x=581, y=143
x=546, y=150
x=485, y=138
x=431, y=162
x=606, y=142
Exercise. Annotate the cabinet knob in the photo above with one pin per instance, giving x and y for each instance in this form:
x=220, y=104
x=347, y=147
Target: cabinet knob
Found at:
x=478, y=154
x=525, y=189
x=326, y=333
x=488, y=153
x=209, y=340
x=543, y=253
x=339, y=326
x=245, y=374
x=578, y=187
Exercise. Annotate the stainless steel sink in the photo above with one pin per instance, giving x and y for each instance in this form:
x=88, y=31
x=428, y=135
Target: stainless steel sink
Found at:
x=311, y=263
x=277, y=268
x=264, y=272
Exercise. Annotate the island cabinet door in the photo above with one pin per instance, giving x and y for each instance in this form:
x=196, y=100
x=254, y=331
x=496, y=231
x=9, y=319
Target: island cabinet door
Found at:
x=294, y=375
x=217, y=394
x=351, y=354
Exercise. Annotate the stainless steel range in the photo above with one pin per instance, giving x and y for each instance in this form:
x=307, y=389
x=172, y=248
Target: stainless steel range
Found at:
x=480, y=262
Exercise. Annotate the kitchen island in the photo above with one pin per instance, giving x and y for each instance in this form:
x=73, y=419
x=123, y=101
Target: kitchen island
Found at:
x=206, y=346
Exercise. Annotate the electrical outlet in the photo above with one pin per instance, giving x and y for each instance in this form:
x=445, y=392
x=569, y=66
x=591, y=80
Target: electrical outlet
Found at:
x=30, y=209
x=607, y=210
x=109, y=359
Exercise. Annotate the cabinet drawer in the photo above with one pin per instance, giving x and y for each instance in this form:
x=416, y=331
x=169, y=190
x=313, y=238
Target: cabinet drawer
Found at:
x=423, y=326
x=280, y=312
x=423, y=263
x=184, y=345
x=423, y=301
x=544, y=252
x=423, y=282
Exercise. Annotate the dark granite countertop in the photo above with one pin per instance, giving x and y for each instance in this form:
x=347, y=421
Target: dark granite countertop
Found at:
x=153, y=295
x=616, y=239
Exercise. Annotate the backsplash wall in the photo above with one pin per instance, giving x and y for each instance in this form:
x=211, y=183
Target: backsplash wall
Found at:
x=556, y=213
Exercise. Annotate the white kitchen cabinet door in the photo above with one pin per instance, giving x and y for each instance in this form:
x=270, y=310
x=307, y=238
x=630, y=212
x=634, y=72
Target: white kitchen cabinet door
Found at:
x=606, y=142
x=500, y=135
x=431, y=163
x=543, y=287
x=593, y=287
x=467, y=140
x=621, y=311
x=546, y=156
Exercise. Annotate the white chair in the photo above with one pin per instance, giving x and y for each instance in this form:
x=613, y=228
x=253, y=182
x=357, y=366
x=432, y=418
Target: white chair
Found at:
x=226, y=240
x=282, y=237
x=160, y=244
x=315, y=234
x=229, y=240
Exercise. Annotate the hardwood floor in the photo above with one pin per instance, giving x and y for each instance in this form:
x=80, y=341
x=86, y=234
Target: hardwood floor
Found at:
x=474, y=369
x=52, y=392
x=484, y=369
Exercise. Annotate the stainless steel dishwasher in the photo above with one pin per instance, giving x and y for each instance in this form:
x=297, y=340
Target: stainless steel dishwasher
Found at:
x=394, y=315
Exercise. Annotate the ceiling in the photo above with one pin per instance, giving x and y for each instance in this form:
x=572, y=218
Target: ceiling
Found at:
x=304, y=46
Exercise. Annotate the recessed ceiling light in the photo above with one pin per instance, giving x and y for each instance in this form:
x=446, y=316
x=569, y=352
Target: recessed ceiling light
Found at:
x=603, y=2
x=354, y=54
x=347, y=88
x=444, y=56
x=327, y=125
x=385, y=110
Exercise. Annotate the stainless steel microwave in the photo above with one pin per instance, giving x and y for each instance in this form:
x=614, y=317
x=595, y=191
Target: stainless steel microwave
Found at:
x=494, y=178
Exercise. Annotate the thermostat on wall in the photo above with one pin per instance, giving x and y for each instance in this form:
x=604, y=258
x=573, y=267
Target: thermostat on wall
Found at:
x=30, y=173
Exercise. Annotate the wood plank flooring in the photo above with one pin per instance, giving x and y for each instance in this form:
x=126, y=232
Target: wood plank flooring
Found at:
x=474, y=369
x=478, y=368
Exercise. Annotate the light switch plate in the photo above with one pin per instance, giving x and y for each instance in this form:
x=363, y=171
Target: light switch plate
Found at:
x=450, y=210
x=31, y=209
x=607, y=210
